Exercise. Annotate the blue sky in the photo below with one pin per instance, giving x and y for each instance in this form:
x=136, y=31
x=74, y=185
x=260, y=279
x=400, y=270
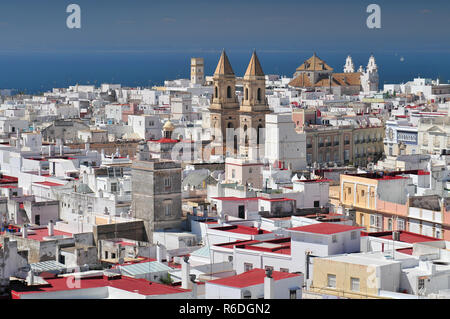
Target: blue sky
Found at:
x=183, y=25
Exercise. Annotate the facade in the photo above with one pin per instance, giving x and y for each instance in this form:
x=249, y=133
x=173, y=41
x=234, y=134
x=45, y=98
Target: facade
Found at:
x=284, y=146
x=256, y=284
x=434, y=135
x=156, y=194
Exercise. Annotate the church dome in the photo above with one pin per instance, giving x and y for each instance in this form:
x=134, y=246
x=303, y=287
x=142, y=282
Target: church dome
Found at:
x=168, y=126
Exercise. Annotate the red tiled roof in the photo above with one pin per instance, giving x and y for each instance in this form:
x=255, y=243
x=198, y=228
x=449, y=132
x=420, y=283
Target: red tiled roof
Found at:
x=232, y=198
x=405, y=236
x=283, y=199
x=43, y=232
x=141, y=286
x=325, y=228
x=323, y=180
x=251, y=278
x=408, y=251
x=240, y=229
x=6, y=179
x=164, y=140
x=46, y=183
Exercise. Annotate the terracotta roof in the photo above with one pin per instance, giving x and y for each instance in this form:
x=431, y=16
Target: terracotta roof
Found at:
x=314, y=63
x=337, y=79
x=347, y=78
x=224, y=66
x=301, y=81
x=254, y=67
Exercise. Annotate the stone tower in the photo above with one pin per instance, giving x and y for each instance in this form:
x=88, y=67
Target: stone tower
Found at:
x=253, y=110
x=197, y=71
x=224, y=108
x=156, y=191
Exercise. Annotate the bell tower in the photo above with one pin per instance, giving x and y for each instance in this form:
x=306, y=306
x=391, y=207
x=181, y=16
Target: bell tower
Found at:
x=224, y=108
x=253, y=110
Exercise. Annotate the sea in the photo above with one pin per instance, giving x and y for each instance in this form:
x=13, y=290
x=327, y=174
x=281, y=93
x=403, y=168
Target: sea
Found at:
x=34, y=73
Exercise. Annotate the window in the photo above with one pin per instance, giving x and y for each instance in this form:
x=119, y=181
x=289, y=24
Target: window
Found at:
x=400, y=224
x=421, y=284
x=230, y=258
x=390, y=224
x=292, y=294
x=331, y=281
x=248, y=266
x=233, y=173
x=113, y=256
x=334, y=238
x=354, y=284
x=113, y=187
x=259, y=94
x=166, y=182
x=167, y=209
x=284, y=270
x=353, y=235
x=316, y=203
x=229, y=92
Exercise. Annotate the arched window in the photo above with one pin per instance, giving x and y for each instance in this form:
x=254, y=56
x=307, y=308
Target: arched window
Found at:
x=245, y=135
x=259, y=94
x=229, y=92
x=246, y=94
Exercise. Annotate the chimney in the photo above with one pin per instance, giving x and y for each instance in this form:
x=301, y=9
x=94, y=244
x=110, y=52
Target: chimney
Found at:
x=50, y=228
x=269, y=285
x=159, y=252
x=185, y=271
x=194, y=287
x=24, y=231
x=31, y=278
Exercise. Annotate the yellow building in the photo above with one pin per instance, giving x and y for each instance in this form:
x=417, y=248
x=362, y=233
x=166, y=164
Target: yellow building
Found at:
x=363, y=192
x=356, y=276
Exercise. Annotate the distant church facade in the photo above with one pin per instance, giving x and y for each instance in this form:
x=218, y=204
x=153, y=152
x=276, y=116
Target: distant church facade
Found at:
x=316, y=74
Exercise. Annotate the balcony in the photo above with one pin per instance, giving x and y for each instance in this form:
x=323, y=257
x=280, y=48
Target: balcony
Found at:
x=346, y=142
x=336, y=143
x=328, y=143
x=320, y=144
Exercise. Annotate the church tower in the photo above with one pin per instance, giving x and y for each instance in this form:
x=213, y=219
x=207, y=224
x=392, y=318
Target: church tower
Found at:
x=253, y=110
x=224, y=108
x=349, y=67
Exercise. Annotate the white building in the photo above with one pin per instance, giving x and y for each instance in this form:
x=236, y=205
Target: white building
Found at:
x=283, y=144
x=255, y=284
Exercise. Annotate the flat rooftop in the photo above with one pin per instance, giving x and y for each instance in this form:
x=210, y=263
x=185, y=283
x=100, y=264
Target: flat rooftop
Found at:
x=325, y=228
x=405, y=236
x=251, y=278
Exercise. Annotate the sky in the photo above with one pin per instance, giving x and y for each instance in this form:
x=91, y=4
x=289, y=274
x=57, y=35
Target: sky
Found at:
x=210, y=25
